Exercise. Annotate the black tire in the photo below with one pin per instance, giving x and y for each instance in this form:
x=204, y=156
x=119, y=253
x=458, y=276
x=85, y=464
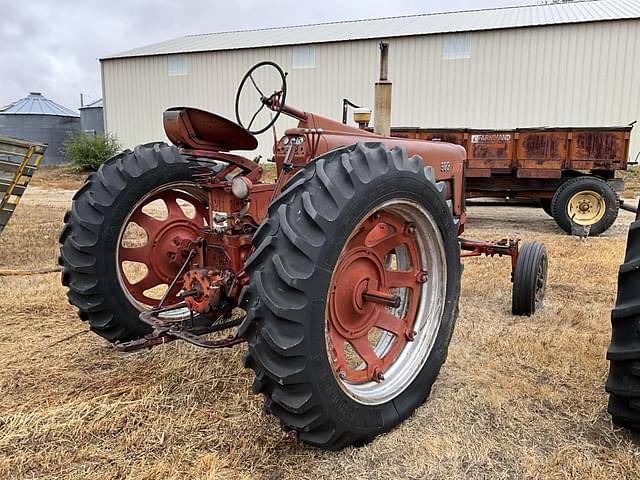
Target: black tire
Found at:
x=545, y=204
x=529, y=279
x=560, y=203
x=296, y=250
x=89, y=239
x=623, y=383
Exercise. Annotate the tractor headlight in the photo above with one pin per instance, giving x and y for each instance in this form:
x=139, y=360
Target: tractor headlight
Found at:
x=241, y=187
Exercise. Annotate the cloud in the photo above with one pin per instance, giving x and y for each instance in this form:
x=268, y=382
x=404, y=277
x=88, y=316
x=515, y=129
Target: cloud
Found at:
x=54, y=46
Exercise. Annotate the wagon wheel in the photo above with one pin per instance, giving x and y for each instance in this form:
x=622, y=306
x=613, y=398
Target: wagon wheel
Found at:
x=585, y=201
x=545, y=204
x=353, y=295
x=127, y=235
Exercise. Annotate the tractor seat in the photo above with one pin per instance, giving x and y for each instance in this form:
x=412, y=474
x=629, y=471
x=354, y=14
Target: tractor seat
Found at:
x=197, y=129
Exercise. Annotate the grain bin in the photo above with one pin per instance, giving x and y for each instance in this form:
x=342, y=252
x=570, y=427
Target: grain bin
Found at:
x=91, y=118
x=39, y=119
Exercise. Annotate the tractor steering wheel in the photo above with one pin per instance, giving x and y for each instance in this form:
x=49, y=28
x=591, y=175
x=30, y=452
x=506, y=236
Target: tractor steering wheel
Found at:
x=274, y=102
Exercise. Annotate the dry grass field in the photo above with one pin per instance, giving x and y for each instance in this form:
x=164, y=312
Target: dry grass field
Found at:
x=517, y=398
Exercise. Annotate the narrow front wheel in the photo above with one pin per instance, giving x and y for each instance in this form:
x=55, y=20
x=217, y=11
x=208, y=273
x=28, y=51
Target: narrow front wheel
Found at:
x=529, y=279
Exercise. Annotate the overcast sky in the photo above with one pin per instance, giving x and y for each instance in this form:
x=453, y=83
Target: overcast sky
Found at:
x=53, y=46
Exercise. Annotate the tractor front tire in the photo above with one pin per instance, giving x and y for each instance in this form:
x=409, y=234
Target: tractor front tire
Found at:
x=586, y=201
x=529, y=279
x=623, y=384
x=93, y=228
x=317, y=253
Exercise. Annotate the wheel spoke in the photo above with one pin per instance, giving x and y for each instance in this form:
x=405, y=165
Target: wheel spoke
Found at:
x=137, y=289
x=200, y=209
x=400, y=278
x=383, y=246
x=365, y=229
x=136, y=254
x=175, y=212
x=337, y=342
x=147, y=222
x=254, y=116
x=389, y=322
x=256, y=85
x=364, y=349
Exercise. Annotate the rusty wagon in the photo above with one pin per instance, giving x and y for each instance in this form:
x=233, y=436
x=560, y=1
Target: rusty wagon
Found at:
x=570, y=171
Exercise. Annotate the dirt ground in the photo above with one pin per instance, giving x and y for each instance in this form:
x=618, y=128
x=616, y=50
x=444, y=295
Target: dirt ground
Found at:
x=517, y=398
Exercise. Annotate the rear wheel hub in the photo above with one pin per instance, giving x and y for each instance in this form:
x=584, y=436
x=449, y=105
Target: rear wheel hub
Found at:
x=169, y=240
x=352, y=316
x=373, y=299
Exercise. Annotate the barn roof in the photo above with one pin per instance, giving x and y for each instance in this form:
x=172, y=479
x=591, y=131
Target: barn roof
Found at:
x=378, y=28
x=37, y=104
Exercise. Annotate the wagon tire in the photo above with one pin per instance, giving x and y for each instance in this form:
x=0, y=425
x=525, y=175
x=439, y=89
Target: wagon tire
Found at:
x=529, y=279
x=545, y=204
x=309, y=233
x=623, y=382
x=600, y=200
x=92, y=229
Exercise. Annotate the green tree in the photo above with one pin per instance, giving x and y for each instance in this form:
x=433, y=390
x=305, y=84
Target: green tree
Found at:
x=89, y=151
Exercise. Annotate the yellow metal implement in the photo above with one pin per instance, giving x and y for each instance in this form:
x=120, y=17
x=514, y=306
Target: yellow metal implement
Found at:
x=19, y=160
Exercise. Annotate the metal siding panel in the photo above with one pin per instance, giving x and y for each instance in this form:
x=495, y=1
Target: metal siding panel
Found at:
x=561, y=75
x=431, y=23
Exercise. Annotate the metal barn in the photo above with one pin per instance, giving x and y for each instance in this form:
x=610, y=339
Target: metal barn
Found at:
x=571, y=64
x=41, y=120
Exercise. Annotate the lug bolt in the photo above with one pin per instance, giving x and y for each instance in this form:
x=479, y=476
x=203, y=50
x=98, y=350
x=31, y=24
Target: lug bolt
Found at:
x=378, y=376
x=410, y=335
x=342, y=374
x=411, y=228
x=422, y=277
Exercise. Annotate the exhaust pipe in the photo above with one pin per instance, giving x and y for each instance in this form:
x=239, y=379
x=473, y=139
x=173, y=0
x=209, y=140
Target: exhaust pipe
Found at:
x=382, y=105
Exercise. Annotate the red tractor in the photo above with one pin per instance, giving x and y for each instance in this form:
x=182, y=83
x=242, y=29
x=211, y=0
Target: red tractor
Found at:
x=342, y=276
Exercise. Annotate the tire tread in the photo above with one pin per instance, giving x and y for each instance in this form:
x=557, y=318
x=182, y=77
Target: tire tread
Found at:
x=623, y=382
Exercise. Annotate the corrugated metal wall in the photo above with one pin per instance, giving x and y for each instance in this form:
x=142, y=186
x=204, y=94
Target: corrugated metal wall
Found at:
x=567, y=75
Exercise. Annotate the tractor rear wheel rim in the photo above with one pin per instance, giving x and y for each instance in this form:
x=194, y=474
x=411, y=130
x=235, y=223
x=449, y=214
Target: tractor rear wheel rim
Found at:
x=394, y=257
x=167, y=244
x=586, y=207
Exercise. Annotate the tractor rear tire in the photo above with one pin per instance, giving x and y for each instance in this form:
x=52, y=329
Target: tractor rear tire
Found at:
x=598, y=193
x=529, y=279
x=294, y=272
x=623, y=383
x=91, y=235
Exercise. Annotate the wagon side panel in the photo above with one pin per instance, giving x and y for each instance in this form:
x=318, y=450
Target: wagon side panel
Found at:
x=541, y=153
x=599, y=149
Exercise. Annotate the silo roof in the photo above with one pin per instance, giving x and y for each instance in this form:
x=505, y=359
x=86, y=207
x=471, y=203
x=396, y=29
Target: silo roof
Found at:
x=96, y=104
x=37, y=104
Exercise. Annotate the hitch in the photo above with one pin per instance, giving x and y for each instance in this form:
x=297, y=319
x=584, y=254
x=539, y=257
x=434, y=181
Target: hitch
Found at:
x=190, y=330
x=476, y=248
